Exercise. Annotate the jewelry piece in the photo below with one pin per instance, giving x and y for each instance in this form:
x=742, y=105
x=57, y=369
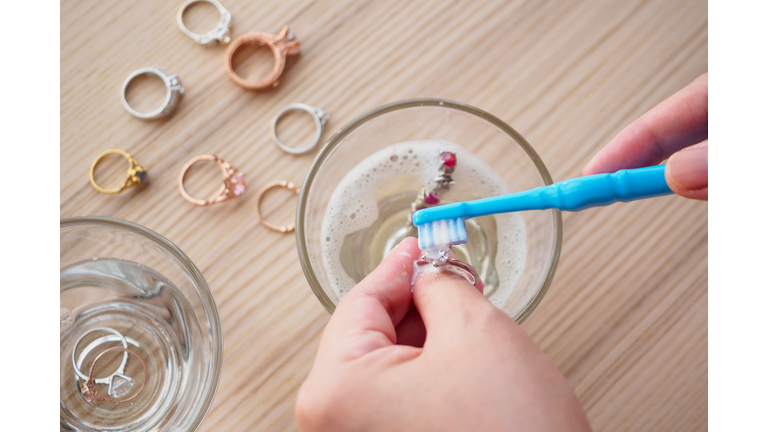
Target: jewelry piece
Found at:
x=268, y=186
x=233, y=186
x=120, y=384
x=218, y=35
x=120, y=369
x=442, y=257
x=317, y=114
x=137, y=174
x=173, y=93
x=282, y=45
x=443, y=182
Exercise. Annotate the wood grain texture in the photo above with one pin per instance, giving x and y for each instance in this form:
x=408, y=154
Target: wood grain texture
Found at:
x=626, y=317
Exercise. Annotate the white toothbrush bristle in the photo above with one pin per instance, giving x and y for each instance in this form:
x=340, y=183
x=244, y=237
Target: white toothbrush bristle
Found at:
x=443, y=232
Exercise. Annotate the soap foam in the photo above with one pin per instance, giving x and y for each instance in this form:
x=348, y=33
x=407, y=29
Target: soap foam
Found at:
x=353, y=206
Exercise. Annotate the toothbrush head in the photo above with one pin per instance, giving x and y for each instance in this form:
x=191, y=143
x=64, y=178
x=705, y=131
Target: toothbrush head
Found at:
x=440, y=233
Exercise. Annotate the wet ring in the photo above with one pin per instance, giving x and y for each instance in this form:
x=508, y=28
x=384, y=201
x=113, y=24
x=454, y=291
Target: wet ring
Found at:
x=317, y=114
x=268, y=186
x=467, y=271
x=218, y=35
x=120, y=369
x=234, y=181
x=173, y=92
x=89, y=389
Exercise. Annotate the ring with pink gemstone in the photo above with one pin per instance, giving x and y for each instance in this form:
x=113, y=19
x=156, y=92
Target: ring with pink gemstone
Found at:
x=232, y=187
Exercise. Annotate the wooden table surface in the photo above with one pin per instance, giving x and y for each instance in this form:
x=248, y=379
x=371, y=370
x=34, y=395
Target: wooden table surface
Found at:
x=626, y=317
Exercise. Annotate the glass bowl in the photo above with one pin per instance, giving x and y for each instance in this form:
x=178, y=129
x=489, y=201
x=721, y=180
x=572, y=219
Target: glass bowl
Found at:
x=124, y=286
x=484, y=135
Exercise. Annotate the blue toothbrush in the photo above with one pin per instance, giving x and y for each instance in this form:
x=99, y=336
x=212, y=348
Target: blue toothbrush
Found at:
x=444, y=225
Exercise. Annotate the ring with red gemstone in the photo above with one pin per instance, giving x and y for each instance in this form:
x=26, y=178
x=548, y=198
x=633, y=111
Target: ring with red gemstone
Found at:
x=232, y=187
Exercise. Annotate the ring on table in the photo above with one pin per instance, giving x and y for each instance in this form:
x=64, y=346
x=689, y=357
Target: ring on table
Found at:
x=443, y=258
x=173, y=92
x=232, y=187
x=136, y=176
x=282, y=45
x=120, y=369
x=268, y=186
x=317, y=114
x=120, y=385
x=218, y=35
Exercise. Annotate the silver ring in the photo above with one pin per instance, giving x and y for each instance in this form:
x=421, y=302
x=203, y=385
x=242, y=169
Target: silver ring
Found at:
x=442, y=259
x=317, y=114
x=218, y=35
x=120, y=369
x=173, y=93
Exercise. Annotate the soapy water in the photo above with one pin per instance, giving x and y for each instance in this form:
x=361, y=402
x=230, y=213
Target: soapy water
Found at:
x=356, y=202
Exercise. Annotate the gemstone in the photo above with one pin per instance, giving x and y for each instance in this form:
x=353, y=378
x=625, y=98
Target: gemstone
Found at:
x=449, y=159
x=235, y=184
x=431, y=199
x=436, y=257
x=120, y=386
x=143, y=177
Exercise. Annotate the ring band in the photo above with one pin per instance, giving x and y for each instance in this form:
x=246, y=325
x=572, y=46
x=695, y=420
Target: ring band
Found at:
x=136, y=176
x=120, y=369
x=89, y=389
x=317, y=114
x=268, y=186
x=232, y=187
x=173, y=92
x=217, y=35
x=282, y=45
x=469, y=272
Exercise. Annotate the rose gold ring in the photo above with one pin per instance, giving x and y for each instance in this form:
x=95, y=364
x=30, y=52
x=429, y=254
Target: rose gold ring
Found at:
x=268, y=186
x=282, y=45
x=89, y=388
x=233, y=186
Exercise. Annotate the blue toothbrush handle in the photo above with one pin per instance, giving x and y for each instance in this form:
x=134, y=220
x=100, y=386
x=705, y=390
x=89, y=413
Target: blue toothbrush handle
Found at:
x=570, y=195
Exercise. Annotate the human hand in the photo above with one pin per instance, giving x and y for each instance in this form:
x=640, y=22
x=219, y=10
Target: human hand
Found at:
x=676, y=127
x=477, y=369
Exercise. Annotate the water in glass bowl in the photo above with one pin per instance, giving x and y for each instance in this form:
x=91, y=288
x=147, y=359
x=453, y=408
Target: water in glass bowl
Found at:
x=369, y=214
x=158, y=324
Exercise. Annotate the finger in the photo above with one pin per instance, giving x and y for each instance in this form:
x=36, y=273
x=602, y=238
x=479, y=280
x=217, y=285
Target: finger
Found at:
x=447, y=303
x=676, y=123
x=365, y=318
x=686, y=172
x=411, y=330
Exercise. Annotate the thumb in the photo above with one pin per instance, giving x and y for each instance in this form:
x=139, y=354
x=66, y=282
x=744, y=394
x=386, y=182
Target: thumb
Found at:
x=448, y=303
x=686, y=172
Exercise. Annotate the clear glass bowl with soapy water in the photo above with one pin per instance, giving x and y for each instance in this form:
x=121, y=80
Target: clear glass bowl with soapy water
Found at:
x=477, y=135
x=124, y=286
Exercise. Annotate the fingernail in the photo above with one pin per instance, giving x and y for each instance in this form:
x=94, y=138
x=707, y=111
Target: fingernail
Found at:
x=688, y=168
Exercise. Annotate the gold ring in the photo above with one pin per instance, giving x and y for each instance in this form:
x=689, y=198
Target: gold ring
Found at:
x=233, y=186
x=268, y=186
x=137, y=175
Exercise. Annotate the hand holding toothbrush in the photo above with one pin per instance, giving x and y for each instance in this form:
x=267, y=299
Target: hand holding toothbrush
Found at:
x=625, y=170
x=676, y=127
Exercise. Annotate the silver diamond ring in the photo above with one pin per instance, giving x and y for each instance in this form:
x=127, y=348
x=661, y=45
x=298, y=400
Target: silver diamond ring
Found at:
x=317, y=114
x=442, y=257
x=120, y=372
x=217, y=35
x=173, y=86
